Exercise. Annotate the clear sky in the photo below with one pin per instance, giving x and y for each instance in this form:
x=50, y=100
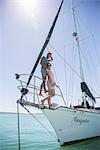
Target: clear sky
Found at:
x=24, y=25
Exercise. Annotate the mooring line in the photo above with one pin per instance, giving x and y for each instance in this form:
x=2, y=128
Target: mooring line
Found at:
x=18, y=126
x=40, y=122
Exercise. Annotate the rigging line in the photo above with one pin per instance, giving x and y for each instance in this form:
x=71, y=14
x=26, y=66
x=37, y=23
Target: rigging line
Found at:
x=77, y=5
x=65, y=70
x=85, y=38
x=77, y=41
x=87, y=64
x=65, y=61
x=92, y=35
x=37, y=96
x=78, y=23
x=62, y=95
x=19, y=145
x=72, y=77
x=65, y=74
x=39, y=122
x=80, y=47
x=83, y=54
x=95, y=48
x=73, y=43
x=95, y=92
x=80, y=41
x=68, y=10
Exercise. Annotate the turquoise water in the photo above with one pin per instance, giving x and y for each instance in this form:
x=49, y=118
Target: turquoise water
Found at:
x=34, y=136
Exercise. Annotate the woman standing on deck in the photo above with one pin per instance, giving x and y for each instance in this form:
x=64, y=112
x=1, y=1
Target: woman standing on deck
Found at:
x=44, y=63
x=51, y=86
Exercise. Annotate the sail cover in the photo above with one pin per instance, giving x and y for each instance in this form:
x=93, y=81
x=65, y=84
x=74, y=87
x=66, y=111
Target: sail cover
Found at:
x=85, y=89
x=45, y=44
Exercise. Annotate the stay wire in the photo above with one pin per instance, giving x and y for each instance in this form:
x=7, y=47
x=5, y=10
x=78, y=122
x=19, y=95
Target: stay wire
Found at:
x=92, y=36
x=64, y=55
x=19, y=145
x=72, y=79
x=78, y=17
x=81, y=50
x=66, y=83
x=39, y=122
x=65, y=61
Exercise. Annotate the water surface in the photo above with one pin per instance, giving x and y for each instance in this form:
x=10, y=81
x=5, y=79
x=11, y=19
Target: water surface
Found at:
x=34, y=136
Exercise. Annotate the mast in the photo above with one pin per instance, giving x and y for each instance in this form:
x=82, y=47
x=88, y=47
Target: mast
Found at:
x=77, y=41
x=85, y=90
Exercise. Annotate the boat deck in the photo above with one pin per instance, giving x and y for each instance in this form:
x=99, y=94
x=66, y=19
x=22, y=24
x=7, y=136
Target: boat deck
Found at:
x=78, y=107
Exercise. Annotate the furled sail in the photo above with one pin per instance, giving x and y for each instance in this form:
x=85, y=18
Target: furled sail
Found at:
x=45, y=44
x=85, y=89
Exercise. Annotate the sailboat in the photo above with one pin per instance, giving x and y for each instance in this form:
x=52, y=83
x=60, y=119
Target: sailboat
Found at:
x=70, y=123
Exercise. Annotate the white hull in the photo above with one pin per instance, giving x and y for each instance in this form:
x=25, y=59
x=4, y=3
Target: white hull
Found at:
x=72, y=124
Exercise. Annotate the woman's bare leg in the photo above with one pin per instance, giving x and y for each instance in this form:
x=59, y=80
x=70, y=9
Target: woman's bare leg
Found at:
x=42, y=101
x=49, y=100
